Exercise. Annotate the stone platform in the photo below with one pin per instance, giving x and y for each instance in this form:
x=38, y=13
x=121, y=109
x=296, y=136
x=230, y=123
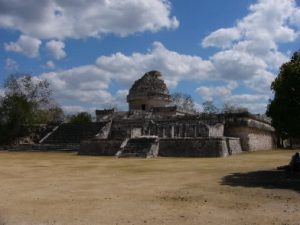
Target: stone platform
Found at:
x=150, y=147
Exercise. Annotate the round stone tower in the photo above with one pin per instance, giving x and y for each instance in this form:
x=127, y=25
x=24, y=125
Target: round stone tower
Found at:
x=148, y=92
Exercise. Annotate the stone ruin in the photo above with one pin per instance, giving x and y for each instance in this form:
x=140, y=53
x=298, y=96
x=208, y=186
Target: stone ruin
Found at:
x=152, y=127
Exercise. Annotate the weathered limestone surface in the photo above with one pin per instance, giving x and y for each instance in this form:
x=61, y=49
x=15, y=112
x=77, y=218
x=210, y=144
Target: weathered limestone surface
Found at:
x=193, y=147
x=254, y=134
x=146, y=147
x=151, y=147
x=233, y=145
x=42, y=147
x=253, y=139
x=216, y=130
x=147, y=92
x=99, y=147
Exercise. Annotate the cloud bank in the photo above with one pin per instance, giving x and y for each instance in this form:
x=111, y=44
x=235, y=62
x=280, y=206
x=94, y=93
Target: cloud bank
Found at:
x=246, y=60
x=249, y=51
x=58, y=19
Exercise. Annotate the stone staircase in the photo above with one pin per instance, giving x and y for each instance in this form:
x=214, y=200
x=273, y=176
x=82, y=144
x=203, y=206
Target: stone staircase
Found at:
x=73, y=133
x=145, y=147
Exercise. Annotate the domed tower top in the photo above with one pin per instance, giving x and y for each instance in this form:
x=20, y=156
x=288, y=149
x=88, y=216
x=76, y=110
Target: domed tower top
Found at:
x=148, y=92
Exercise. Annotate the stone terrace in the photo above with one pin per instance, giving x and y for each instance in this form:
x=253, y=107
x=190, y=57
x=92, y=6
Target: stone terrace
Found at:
x=73, y=133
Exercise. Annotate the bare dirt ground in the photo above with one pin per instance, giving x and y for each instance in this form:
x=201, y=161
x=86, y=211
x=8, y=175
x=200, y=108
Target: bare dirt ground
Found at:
x=39, y=188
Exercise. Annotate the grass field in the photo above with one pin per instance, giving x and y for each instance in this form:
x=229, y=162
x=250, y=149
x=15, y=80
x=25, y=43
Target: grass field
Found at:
x=39, y=188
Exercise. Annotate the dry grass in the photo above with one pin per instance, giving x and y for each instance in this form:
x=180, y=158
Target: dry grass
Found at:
x=62, y=188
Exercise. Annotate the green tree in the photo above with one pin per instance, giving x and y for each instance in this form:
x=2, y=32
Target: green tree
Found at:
x=24, y=96
x=284, y=108
x=16, y=116
x=82, y=117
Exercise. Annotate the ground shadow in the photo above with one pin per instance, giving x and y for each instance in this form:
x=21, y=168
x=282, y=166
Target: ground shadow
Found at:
x=269, y=179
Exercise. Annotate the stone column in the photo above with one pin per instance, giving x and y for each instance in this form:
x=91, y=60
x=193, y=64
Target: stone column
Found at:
x=172, y=131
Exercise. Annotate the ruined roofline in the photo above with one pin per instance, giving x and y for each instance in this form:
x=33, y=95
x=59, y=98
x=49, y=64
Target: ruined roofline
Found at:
x=257, y=117
x=172, y=108
x=104, y=111
x=250, y=121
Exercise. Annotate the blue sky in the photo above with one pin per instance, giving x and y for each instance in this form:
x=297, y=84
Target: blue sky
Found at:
x=92, y=51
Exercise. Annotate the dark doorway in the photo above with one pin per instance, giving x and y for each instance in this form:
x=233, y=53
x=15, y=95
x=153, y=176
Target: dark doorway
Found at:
x=143, y=107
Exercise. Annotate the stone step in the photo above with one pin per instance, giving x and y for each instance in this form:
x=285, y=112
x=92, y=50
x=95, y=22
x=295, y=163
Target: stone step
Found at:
x=74, y=132
x=145, y=146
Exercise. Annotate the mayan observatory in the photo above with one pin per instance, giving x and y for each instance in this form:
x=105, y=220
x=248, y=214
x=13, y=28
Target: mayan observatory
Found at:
x=153, y=127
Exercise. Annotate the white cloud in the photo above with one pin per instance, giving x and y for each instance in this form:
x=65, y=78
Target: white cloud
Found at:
x=236, y=65
x=261, y=81
x=50, y=64
x=253, y=102
x=25, y=45
x=207, y=93
x=249, y=52
x=296, y=18
x=268, y=19
x=56, y=49
x=221, y=38
x=251, y=46
x=85, y=84
x=174, y=66
x=60, y=19
x=245, y=98
x=71, y=109
x=11, y=65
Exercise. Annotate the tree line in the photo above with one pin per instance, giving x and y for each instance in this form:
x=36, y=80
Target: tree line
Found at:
x=27, y=103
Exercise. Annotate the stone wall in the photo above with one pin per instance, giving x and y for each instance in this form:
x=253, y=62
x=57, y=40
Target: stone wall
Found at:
x=164, y=128
x=255, y=132
x=252, y=139
x=233, y=145
x=193, y=147
x=179, y=129
x=121, y=129
x=170, y=147
x=216, y=130
x=99, y=147
x=41, y=147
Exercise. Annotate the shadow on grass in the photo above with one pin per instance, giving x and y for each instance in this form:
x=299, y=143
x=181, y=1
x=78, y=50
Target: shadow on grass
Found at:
x=269, y=179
